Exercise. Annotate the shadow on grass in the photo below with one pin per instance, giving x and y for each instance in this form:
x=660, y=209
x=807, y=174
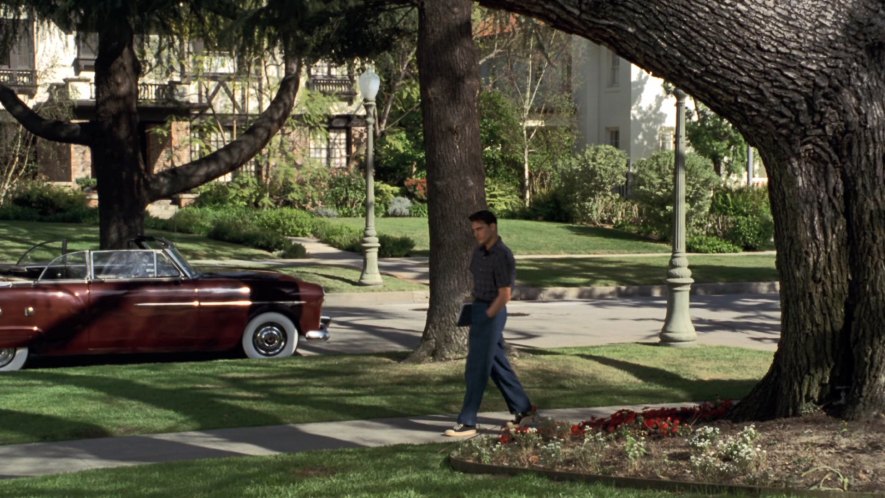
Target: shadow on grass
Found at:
x=34, y=425
x=608, y=233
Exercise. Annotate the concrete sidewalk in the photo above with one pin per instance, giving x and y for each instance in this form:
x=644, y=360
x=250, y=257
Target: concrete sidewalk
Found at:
x=38, y=459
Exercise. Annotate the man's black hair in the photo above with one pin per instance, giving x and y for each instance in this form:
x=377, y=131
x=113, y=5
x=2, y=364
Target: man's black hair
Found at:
x=484, y=216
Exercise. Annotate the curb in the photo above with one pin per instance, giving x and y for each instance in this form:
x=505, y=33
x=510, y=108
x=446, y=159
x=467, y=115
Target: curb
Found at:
x=556, y=293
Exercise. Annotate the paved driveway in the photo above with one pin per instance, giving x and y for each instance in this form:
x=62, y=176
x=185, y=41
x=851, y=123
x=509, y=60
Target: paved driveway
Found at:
x=751, y=321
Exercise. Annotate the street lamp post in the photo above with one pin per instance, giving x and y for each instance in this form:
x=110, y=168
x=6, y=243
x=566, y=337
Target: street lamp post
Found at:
x=369, y=83
x=678, y=329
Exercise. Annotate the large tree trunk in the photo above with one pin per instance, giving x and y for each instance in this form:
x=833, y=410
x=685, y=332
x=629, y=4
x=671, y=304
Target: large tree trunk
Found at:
x=805, y=84
x=116, y=151
x=449, y=78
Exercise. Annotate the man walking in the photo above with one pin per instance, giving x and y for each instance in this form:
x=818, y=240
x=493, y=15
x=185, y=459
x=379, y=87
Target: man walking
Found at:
x=494, y=275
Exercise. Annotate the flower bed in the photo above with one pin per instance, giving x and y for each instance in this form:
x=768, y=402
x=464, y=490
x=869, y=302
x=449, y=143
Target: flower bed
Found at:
x=696, y=445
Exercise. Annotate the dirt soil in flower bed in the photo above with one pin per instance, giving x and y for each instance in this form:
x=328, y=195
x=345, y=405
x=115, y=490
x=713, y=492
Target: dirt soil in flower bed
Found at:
x=810, y=452
x=804, y=453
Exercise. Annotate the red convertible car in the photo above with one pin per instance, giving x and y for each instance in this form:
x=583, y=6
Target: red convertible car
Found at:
x=149, y=299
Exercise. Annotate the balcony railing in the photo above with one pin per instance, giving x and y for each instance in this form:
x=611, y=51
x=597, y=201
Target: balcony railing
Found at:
x=330, y=85
x=149, y=92
x=20, y=80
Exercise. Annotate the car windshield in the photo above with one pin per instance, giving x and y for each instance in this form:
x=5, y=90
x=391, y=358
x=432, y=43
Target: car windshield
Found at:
x=70, y=266
x=43, y=253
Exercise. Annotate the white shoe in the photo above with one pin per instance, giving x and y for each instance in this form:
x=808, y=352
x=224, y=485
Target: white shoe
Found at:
x=461, y=430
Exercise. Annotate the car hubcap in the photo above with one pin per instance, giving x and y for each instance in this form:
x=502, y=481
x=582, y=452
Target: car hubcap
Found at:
x=6, y=356
x=269, y=339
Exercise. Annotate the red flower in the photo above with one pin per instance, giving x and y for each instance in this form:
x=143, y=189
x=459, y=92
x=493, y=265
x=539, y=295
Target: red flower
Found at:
x=505, y=438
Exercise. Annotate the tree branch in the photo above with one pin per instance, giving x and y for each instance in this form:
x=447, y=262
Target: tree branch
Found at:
x=57, y=131
x=236, y=153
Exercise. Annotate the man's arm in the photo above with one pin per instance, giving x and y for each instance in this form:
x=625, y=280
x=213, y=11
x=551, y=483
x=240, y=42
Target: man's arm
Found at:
x=500, y=301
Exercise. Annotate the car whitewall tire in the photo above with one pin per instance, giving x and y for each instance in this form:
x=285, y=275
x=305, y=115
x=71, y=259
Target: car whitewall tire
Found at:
x=12, y=359
x=270, y=335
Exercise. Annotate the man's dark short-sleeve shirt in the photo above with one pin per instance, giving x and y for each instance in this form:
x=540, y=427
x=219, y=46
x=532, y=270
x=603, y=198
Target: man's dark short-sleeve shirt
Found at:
x=492, y=270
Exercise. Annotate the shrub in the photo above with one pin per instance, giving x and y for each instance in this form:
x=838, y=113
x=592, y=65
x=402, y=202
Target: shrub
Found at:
x=653, y=191
x=419, y=210
x=242, y=231
x=384, y=195
x=242, y=191
x=709, y=244
x=417, y=188
x=587, y=182
x=194, y=220
x=293, y=251
x=395, y=247
x=503, y=198
x=326, y=212
x=742, y=216
x=339, y=236
x=40, y=201
x=308, y=189
x=284, y=221
x=400, y=207
x=346, y=193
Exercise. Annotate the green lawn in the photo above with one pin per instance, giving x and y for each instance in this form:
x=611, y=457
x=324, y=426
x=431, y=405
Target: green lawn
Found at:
x=44, y=404
x=528, y=237
x=394, y=471
x=16, y=237
x=643, y=270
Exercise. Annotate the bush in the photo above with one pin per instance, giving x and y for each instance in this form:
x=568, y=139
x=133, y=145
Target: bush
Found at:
x=284, y=221
x=242, y=231
x=742, y=216
x=395, y=247
x=196, y=220
x=339, y=236
x=346, y=193
x=419, y=210
x=242, y=191
x=586, y=184
x=503, y=198
x=400, y=207
x=709, y=244
x=653, y=191
x=40, y=201
x=294, y=251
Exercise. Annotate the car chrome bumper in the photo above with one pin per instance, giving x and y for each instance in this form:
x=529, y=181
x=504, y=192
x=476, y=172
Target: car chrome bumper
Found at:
x=323, y=333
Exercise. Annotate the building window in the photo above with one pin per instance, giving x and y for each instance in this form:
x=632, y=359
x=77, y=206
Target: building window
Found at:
x=87, y=51
x=614, y=69
x=613, y=137
x=212, y=139
x=330, y=149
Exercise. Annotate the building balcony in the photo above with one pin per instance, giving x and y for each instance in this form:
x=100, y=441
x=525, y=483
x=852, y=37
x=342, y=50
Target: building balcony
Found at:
x=23, y=81
x=332, y=85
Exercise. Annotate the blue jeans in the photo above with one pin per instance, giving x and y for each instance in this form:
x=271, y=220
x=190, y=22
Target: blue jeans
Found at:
x=486, y=358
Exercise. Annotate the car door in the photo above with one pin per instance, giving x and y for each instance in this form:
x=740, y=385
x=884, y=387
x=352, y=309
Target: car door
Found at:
x=54, y=307
x=140, y=302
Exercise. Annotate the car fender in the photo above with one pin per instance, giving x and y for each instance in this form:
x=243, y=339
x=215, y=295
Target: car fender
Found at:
x=14, y=336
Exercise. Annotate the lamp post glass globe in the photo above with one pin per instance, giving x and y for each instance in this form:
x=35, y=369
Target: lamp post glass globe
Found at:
x=369, y=82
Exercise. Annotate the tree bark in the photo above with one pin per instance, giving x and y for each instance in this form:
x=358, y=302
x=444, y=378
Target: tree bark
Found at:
x=449, y=78
x=116, y=146
x=804, y=82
